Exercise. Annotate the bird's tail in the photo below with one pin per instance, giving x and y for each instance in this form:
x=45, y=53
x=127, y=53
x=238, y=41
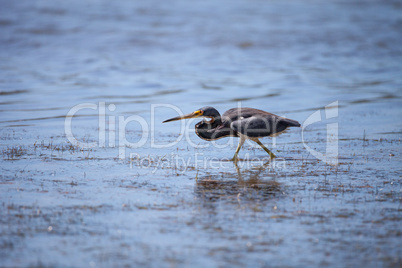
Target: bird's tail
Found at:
x=291, y=122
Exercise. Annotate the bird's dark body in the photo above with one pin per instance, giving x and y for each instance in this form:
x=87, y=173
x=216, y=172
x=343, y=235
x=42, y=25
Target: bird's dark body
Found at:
x=245, y=123
x=250, y=122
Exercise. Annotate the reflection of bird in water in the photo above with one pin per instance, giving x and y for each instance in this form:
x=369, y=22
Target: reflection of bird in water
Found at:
x=249, y=190
x=245, y=123
x=252, y=186
x=255, y=172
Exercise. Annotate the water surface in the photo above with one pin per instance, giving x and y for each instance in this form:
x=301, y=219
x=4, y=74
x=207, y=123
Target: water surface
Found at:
x=186, y=205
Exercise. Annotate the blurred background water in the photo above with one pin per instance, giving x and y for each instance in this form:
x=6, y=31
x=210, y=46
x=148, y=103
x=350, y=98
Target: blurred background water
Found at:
x=286, y=57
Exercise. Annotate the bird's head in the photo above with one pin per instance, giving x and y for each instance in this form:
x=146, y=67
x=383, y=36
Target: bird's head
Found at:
x=207, y=111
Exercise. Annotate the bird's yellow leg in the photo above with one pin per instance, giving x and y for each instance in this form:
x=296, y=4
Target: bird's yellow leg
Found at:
x=241, y=142
x=265, y=148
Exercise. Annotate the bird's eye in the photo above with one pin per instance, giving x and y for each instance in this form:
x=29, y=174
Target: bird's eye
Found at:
x=199, y=112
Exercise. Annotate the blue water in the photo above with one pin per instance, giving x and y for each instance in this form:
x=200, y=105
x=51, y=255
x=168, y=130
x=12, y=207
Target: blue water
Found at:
x=290, y=58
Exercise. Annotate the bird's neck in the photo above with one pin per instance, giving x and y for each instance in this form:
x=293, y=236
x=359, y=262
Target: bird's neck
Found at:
x=212, y=130
x=214, y=121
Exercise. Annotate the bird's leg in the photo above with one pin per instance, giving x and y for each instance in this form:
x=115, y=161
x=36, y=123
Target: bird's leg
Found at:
x=241, y=142
x=238, y=171
x=265, y=148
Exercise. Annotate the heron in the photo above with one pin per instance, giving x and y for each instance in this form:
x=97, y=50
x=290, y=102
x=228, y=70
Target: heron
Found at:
x=244, y=123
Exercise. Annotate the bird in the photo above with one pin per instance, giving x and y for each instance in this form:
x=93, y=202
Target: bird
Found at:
x=245, y=123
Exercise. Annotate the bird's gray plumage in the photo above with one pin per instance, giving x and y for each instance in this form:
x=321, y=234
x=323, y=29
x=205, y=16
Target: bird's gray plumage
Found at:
x=250, y=122
x=239, y=122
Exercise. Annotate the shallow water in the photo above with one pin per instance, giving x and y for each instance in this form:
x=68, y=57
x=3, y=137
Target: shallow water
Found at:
x=185, y=204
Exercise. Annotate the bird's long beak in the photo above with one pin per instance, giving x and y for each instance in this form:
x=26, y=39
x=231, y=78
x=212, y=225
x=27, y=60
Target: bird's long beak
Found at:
x=187, y=116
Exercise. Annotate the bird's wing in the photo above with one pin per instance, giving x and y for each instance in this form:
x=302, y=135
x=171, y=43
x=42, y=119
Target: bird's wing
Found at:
x=260, y=126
